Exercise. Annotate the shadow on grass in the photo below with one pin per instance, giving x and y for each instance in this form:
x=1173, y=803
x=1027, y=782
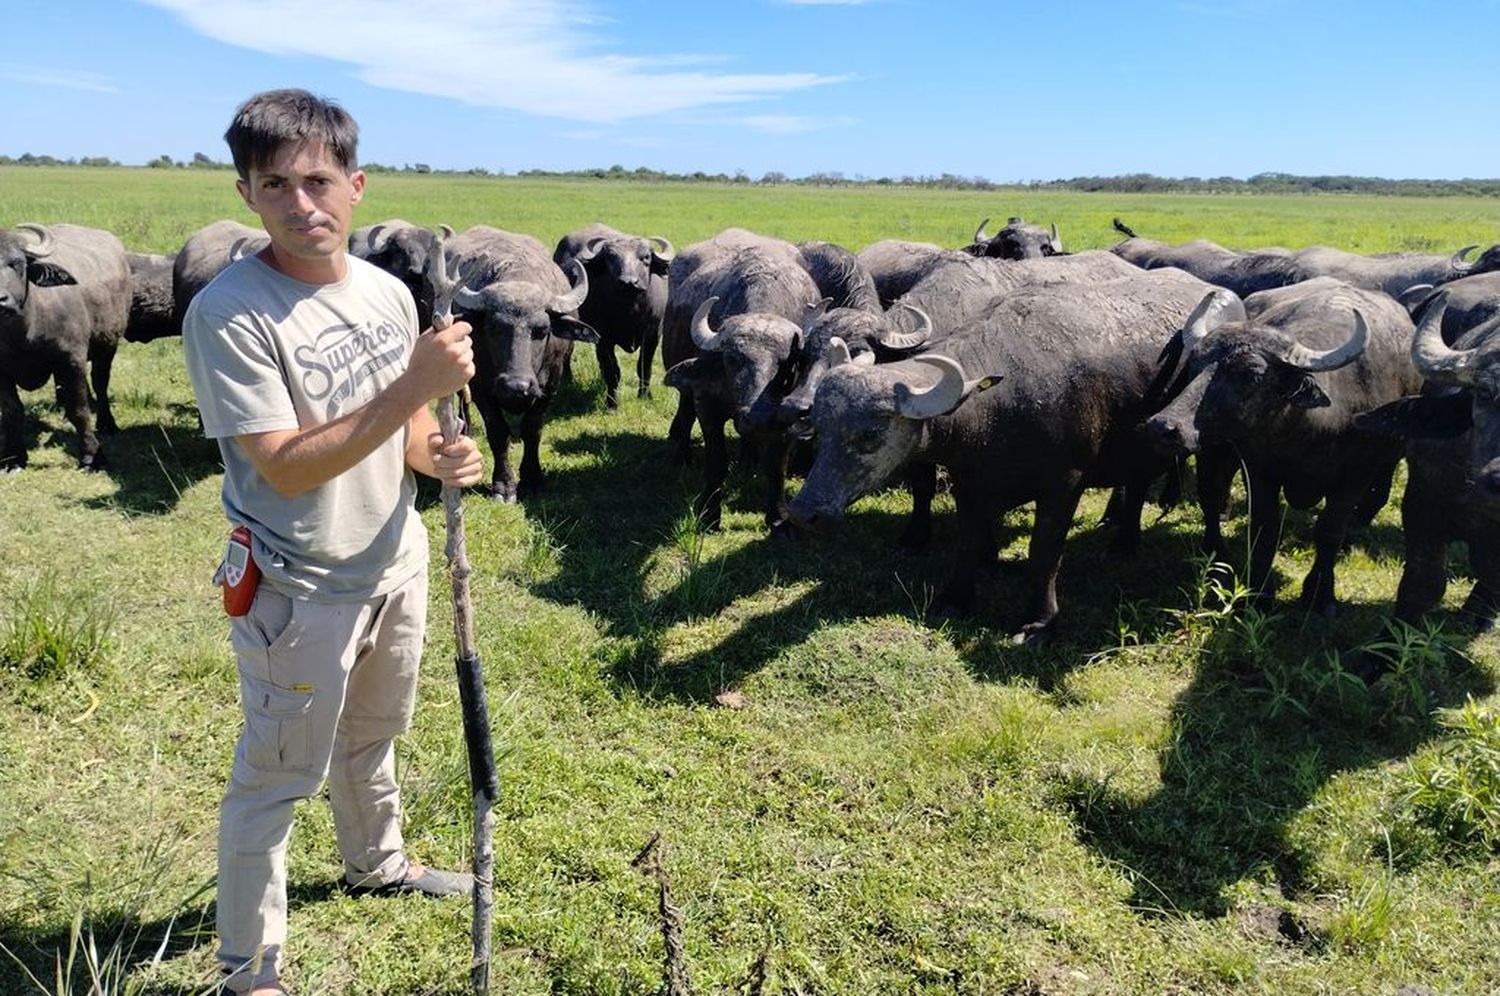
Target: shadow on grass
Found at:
x=1251, y=744
x=133, y=941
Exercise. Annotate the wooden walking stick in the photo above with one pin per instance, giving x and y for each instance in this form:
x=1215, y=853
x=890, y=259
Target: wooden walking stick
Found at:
x=482, y=777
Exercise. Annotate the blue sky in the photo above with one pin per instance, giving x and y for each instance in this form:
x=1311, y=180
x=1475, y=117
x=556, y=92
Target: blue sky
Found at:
x=1012, y=91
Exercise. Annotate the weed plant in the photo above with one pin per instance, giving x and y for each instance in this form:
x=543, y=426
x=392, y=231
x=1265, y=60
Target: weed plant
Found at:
x=51, y=630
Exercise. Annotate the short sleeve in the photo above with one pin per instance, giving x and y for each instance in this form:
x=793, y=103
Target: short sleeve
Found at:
x=237, y=375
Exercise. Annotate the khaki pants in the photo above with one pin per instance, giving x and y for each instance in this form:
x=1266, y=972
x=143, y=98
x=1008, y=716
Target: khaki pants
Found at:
x=325, y=690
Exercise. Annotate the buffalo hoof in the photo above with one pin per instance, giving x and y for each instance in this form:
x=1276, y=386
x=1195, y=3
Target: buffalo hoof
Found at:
x=92, y=464
x=611, y=404
x=644, y=392
x=786, y=531
x=1032, y=634
x=503, y=492
x=12, y=468
x=528, y=490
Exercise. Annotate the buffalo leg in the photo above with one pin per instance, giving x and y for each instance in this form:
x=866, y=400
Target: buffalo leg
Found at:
x=921, y=481
x=73, y=395
x=1483, y=603
x=1215, y=475
x=977, y=511
x=1054, y=517
x=101, y=364
x=12, y=427
x=502, y=479
x=773, y=464
x=1375, y=497
x=715, y=467
x=531, y=445
x=609, y=371
x=1265, y=535
x=1318, y=594
x=1424, y=576
x=681, y=431
x=644, y=360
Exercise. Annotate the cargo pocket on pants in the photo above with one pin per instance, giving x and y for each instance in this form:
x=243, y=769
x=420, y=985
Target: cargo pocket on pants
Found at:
x=277, y=729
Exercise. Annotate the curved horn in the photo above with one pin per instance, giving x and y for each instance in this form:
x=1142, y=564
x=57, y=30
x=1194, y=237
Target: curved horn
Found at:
x=704, y=337
x=43, y=245
x=836, y=353
x=1056, y=242
x=914, y=338
x=573, y=300
x=1216, y=308
x=940, y=398
x=1457, y=262
x=446, y=231
x=1313, y=360
x=814, y=310
x=591, y=248
x=468, y=298
x=378, y=237
x=1415, y=296
x=1432, y=357
x=242, y=247
x=980, y=235
x=666, y=253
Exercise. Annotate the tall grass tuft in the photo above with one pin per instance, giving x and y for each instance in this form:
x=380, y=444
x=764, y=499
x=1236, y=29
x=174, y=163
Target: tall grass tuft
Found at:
x=52, y=629
x=1455, y=788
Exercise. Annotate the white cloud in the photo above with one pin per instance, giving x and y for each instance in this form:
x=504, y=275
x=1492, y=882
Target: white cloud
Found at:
x=67, y=79
x=538, y=57
x=789, y=124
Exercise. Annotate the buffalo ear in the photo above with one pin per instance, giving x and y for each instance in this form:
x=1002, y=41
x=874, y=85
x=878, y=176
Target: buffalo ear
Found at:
x=696, y=374
x=1421, y=416
x=1307, y=394
x=42, y=274
x=565, y=327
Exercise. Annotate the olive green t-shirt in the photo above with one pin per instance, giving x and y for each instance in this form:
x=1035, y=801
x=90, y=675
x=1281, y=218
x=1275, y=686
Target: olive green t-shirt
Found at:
x=266, y=352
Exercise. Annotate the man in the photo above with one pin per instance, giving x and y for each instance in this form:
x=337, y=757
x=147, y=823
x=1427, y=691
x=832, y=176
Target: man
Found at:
x=308, y=369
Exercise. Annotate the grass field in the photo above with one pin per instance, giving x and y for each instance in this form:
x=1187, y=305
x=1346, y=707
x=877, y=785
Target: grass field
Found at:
x=1169, y=797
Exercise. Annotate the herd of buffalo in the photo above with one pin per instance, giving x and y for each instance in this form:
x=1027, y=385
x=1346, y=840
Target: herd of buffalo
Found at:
x=1026, y=372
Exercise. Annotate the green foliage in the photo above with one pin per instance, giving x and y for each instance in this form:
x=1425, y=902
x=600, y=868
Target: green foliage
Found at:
x=1455, y=786
x=52, y=629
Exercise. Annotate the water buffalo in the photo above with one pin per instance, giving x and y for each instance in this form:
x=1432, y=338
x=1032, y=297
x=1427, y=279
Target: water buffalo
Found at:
x=1393, y=273
x=765, y=282
x=895, y=265
x=1281, y=388
x=150, y=297
x=1078, y=362
x=1245, y=273
x=401, y=249
x=203, y=255
x=64, y=304
x=840, y=276
x=525, y=318
x=627, y=296
x=1453, y=463
x=1017, y=240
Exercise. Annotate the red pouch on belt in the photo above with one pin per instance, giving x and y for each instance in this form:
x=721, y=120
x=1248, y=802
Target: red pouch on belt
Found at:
x=238, y=575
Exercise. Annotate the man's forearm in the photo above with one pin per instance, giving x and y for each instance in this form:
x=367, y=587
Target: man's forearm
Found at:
x=295, y=461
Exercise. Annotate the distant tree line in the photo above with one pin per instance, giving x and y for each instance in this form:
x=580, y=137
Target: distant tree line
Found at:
x=1147, y=183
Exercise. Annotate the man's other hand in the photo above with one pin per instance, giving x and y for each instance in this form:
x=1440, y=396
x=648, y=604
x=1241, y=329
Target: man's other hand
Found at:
x=458, y=463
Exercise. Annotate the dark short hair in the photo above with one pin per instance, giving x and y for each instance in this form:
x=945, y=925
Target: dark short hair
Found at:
x=268, y=121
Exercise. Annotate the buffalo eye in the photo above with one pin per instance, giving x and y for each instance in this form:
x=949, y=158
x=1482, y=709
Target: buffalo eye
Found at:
x=867, y=440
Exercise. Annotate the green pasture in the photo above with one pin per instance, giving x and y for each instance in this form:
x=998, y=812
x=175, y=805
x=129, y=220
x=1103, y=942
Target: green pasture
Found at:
x=1174, y=795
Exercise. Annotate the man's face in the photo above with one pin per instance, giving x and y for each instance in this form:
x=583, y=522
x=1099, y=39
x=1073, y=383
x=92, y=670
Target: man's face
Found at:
x=305, y=201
